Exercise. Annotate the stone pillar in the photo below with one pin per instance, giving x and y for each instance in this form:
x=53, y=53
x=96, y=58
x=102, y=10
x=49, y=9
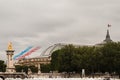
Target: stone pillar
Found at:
x=83, y=72
x=39, y=70
x=10, y=64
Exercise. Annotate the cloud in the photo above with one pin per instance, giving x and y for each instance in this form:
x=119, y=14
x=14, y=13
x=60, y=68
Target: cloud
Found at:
x=46, y=22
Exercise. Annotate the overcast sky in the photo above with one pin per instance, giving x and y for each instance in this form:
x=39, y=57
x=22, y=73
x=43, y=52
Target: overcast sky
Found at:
x=47, y=22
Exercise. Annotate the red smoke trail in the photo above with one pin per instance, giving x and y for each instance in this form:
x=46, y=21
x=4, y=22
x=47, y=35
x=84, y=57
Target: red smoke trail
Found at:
x=28, y=53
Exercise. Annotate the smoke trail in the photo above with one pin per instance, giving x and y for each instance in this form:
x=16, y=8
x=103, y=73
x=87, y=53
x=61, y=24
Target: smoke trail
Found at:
x=28, y=53
x=21, y=53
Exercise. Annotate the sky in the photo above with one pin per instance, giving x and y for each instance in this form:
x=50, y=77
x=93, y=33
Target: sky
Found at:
x=47, y=22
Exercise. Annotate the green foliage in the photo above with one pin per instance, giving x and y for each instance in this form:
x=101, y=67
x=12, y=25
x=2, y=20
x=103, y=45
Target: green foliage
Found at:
x=93, y=59
x=33, y=69
x=45, y=68
x=54, y=62
x=25, y=68
x=111, y=57
x=2, y=66
x=18, y=68
x=66, y=59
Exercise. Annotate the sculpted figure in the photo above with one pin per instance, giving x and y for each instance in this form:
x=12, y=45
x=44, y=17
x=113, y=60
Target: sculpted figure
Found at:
x=10, y=46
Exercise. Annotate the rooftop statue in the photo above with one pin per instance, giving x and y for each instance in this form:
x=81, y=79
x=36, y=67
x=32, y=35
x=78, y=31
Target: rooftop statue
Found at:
x=10, y=46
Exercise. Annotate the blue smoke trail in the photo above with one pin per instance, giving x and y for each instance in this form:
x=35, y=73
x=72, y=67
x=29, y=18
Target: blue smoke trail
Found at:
x=21, y=53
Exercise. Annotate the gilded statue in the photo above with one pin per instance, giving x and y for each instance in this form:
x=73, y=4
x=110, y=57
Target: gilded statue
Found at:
x=10, y=46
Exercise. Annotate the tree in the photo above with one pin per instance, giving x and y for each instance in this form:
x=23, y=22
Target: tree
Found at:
x=93, y=59
x=33, y=69
x=2, y=66
x=65, y=60
x=73, y=59
x=45, y=68
x=18, y=68
x=55, y=60
x=24, y=68
x=111, y=57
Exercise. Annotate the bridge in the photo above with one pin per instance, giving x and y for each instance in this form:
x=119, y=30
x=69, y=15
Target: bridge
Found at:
x=4, y=75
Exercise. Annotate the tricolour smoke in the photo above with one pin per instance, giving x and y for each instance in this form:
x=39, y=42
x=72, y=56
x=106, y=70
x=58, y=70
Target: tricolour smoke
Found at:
x=21, y=53
x=28, y=53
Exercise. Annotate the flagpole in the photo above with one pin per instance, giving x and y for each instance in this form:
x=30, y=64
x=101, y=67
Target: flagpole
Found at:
x=109, y=25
